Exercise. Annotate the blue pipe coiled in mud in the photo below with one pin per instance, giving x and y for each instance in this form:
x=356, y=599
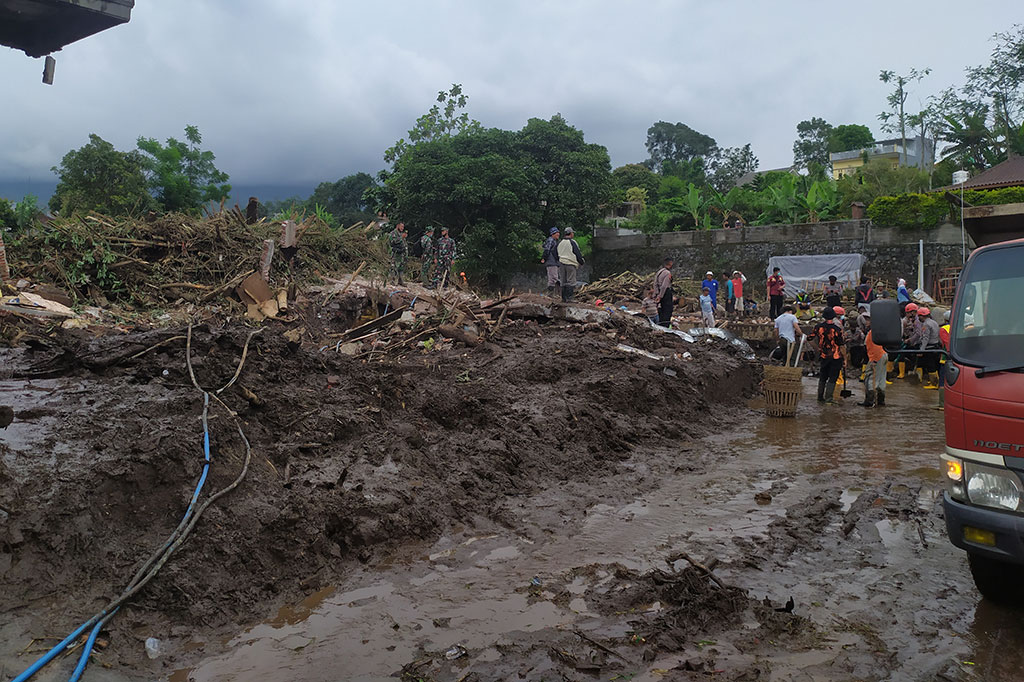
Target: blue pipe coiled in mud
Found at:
x=101, y=618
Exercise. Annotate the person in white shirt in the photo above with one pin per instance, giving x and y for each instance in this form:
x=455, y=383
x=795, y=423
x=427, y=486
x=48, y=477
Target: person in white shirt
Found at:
x=787, y=328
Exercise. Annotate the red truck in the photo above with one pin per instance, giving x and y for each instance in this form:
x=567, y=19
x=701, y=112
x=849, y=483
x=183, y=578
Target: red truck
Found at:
x=984, y=394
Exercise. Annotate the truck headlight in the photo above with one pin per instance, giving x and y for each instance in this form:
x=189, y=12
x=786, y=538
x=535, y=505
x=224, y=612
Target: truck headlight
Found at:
x=992, y=487
x=955, y=478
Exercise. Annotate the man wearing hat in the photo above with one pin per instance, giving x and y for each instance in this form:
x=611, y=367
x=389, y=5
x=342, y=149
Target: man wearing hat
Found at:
x=930, y=341
x=445, y=256
x=550, y=259
x=427, y=255
x=712, y=284
x=569, y=259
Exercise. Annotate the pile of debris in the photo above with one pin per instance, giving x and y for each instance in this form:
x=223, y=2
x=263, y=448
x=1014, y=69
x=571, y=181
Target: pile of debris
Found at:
x=166, y=258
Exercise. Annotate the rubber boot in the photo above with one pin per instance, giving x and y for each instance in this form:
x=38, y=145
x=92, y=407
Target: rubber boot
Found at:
x=931, y=381
x=903, y=370
x=869, y=399
x=830, y=390
x=821, y=388
x=863, y=372
x=942, y=399
x=889, y=367
x=881, y=399
x=920, y=375
x=565, y=294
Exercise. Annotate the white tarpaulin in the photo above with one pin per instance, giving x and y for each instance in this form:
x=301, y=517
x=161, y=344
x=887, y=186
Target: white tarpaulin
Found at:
x=811, y=272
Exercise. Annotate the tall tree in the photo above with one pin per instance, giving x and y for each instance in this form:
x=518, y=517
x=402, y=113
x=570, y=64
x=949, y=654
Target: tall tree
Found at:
x=96, y=177
x=444, y=119
x=848, y=137
x=895, y=119
x=344, y=199
x=182, y=176
x=677, y=142
x=637, y=175
x=811, y=145
x=730, y=164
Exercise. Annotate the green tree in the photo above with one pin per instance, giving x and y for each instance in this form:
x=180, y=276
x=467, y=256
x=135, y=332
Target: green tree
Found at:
x=895, y=119
x=573, y=177
x=444, y=119
x=345, y=199
x=96, y=177
x=878, y=178
x=847, y=137
x=692, y=170
x=677, y=142
x=729, y=165
x=182, y=176
x=812, y=143
x=8, y=219
x=637, y=195
x=637, y=175
x=1000, y=85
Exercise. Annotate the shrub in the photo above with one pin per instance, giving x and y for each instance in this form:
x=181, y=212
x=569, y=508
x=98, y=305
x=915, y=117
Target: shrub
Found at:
x=909, y=210
x=988, y=197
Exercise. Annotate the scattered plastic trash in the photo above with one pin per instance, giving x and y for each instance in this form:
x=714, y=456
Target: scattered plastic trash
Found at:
x=535, y=581
x=152, y=648
x=668, y=372
x=455, y=652
x=166, y=373
x=687, y=356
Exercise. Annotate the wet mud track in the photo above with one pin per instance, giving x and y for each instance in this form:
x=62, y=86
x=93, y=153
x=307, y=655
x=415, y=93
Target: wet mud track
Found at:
x=381, y=563
x=838, y=509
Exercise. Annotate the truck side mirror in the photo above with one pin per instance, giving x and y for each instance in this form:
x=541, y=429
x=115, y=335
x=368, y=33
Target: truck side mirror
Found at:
x=886, y=327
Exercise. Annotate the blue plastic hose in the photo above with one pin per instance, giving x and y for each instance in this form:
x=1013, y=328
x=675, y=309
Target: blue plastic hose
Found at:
x=97, y=621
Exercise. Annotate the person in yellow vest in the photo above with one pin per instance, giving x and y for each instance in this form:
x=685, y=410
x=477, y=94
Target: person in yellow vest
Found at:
x=944, y=340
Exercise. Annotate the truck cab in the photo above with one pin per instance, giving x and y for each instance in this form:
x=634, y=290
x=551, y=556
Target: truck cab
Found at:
x=984, y=418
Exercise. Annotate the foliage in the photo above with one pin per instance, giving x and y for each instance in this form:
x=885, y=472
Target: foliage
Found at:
x=895, y=119
x=729, y=165
x=677, y=142
x=8, y=220
x=908, y=210
x=692, y=170
x=999, y=85
x=878, y=178
x=182, y=176
x=637, y=175
x=493, y=187
x=812, y=143
x=345, y=199
x=637, y=195
x=846, y=137
x=98, y=178
x=988, y=197
x=437, y=122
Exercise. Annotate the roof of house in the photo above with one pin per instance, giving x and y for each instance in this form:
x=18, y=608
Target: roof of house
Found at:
x=748, y=178
x=1009, y=173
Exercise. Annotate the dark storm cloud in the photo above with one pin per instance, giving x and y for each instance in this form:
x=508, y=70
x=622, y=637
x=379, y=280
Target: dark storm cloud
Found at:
x=300, y=92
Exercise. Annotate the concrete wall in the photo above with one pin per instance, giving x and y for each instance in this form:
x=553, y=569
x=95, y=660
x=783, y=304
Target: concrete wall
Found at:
x=890, y=252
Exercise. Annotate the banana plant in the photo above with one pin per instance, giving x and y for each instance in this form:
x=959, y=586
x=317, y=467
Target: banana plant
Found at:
x=696, y=205
x=820, y=203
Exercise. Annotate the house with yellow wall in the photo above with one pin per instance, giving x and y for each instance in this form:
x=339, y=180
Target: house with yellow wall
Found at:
x=844, y=163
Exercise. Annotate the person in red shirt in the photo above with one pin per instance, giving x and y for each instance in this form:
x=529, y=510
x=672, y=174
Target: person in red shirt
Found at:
x=775, y=293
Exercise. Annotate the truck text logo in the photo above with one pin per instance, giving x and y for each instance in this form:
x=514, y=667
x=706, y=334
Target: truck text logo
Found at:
x=993, y=445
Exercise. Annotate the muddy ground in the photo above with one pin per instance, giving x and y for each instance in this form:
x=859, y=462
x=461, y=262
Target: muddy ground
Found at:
x=356, y=465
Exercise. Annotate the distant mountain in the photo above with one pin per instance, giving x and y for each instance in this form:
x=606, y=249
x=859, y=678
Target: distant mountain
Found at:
x=16, y=190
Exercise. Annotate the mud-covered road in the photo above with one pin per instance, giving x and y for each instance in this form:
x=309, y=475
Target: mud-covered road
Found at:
x=541, y=507
x=838, y=509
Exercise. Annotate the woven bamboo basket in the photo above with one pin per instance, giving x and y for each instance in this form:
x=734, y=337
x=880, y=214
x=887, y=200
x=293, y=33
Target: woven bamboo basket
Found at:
x=783, y=388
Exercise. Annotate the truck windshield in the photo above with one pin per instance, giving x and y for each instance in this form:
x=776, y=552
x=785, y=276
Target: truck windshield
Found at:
x=988, y=323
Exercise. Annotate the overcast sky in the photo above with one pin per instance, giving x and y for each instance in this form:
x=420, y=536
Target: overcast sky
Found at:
x=299, y=92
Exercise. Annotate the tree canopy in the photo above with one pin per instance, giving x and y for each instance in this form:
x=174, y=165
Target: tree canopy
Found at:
x=812, y=143
x=847, y=137
x=344, y=199
x=182, y=176
x=677, y=142
x=96, y=177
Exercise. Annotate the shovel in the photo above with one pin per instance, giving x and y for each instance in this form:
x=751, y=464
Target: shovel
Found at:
x=799, y=352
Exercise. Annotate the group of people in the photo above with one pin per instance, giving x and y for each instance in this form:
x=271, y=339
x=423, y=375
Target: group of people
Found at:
x=846, y=340
x=561, y=259
x=436, y=258
x=659, y=299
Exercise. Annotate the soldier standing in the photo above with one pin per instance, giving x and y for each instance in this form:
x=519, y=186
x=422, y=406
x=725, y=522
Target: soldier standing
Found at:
x=399, y=250
x=445, y=256
x=427, y=257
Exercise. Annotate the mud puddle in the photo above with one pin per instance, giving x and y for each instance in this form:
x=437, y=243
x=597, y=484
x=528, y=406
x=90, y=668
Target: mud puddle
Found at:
x=837, y=509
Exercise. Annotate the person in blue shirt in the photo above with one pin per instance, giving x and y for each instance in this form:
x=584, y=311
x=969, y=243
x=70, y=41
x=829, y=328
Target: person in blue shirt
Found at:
x=902, y=295
x=712, y=284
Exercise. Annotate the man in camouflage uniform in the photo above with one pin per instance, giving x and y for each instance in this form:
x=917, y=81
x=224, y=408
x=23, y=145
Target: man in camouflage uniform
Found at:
x=427, y=257
x=444, y=257
x=399, y=250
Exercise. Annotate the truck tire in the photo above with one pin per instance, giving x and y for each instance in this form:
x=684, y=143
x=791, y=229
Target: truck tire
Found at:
x=997, y=580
